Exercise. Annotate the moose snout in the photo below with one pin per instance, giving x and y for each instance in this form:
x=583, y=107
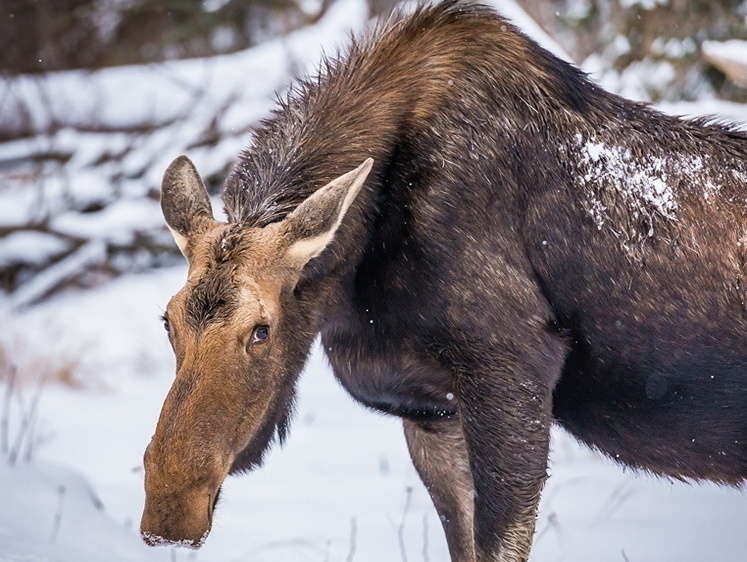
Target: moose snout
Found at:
x=185, y=464
x=182, y=519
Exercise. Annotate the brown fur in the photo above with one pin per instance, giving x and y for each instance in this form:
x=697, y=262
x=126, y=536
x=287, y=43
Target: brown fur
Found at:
x=527, y=249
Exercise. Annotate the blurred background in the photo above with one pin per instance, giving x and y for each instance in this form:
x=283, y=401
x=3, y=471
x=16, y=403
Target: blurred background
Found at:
x=96, y=98
x=94, y=102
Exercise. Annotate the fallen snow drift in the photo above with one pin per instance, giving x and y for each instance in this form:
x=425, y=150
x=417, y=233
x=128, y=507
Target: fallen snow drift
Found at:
x=51, y=513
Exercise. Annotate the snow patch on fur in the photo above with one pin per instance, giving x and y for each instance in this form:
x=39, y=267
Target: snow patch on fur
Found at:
x=643, y=183
x=648, y=186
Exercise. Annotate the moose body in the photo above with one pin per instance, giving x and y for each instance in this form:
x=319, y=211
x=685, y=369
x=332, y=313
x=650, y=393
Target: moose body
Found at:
x=524, y=249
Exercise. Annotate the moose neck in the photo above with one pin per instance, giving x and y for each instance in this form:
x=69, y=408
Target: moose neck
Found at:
x=381, y=102
x=370, y=105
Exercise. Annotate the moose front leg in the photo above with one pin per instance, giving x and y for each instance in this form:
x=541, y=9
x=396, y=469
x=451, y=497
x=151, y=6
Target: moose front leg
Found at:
x=439, y=453
x=506, y=418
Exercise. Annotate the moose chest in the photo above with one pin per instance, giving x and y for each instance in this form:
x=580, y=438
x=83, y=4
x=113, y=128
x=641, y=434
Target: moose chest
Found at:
x=384, y=369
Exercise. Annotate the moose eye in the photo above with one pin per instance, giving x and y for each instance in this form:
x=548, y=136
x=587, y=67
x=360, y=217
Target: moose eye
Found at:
x=259, y=335
x=166, y=325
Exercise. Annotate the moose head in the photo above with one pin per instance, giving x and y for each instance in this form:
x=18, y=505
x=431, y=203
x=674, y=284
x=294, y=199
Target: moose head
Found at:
x=240, y=335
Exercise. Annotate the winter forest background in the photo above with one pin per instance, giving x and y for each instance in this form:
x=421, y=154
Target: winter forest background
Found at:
x=96, y=98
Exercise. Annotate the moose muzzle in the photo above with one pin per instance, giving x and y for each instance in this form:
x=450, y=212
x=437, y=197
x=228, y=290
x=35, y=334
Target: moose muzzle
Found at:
x=183, y=518
x=184, y=469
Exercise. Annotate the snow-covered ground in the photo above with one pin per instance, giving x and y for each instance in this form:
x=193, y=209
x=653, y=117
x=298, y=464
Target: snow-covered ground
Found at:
x=342, y=488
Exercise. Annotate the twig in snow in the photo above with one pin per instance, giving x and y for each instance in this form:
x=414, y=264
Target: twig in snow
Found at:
x=5, y=432
x=425, y=538
x=20, y=432
x=625, y=556
x=25, y=430
x=618, y=497
x=353, y=534
x=401, y=527
x=31, y=439
x=552, y=523
x=58, y=515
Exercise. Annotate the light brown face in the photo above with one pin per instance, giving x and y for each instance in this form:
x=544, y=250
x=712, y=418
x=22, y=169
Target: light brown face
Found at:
x=240, y=340
x=222, y=326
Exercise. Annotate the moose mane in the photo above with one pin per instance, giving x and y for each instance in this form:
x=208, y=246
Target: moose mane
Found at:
x=389, y=84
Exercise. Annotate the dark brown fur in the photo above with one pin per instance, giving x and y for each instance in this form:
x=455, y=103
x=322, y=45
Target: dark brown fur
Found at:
x=527, y=249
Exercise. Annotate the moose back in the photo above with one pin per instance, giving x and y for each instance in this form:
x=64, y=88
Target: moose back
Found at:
x=487, y=243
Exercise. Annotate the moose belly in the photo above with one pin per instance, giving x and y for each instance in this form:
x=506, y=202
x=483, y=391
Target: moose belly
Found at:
x=682, y=417
x=393, y=381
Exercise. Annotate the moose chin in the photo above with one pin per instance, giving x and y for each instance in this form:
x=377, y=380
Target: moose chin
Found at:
x=487, y=244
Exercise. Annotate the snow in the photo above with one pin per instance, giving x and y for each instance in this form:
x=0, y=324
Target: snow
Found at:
x=117, y=222
x=33, y=246
x=728, y=56
x=734, y=50
x=333, y=438
x=674, y=48
x=721, y=110
x=131, y=96
x=641, y=182
x=648, y=184
x=61, y=519
x=514, y=12
x=643, y=4
x=342, y=488
x=637, y=81
x=90, y=252
x=344, y=472
x=104, y=136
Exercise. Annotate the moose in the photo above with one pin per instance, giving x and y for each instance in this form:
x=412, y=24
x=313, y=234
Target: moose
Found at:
x=487, y=244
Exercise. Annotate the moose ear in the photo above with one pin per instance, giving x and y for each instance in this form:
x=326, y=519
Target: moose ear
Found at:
x=312, y=225
x=184, y=200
